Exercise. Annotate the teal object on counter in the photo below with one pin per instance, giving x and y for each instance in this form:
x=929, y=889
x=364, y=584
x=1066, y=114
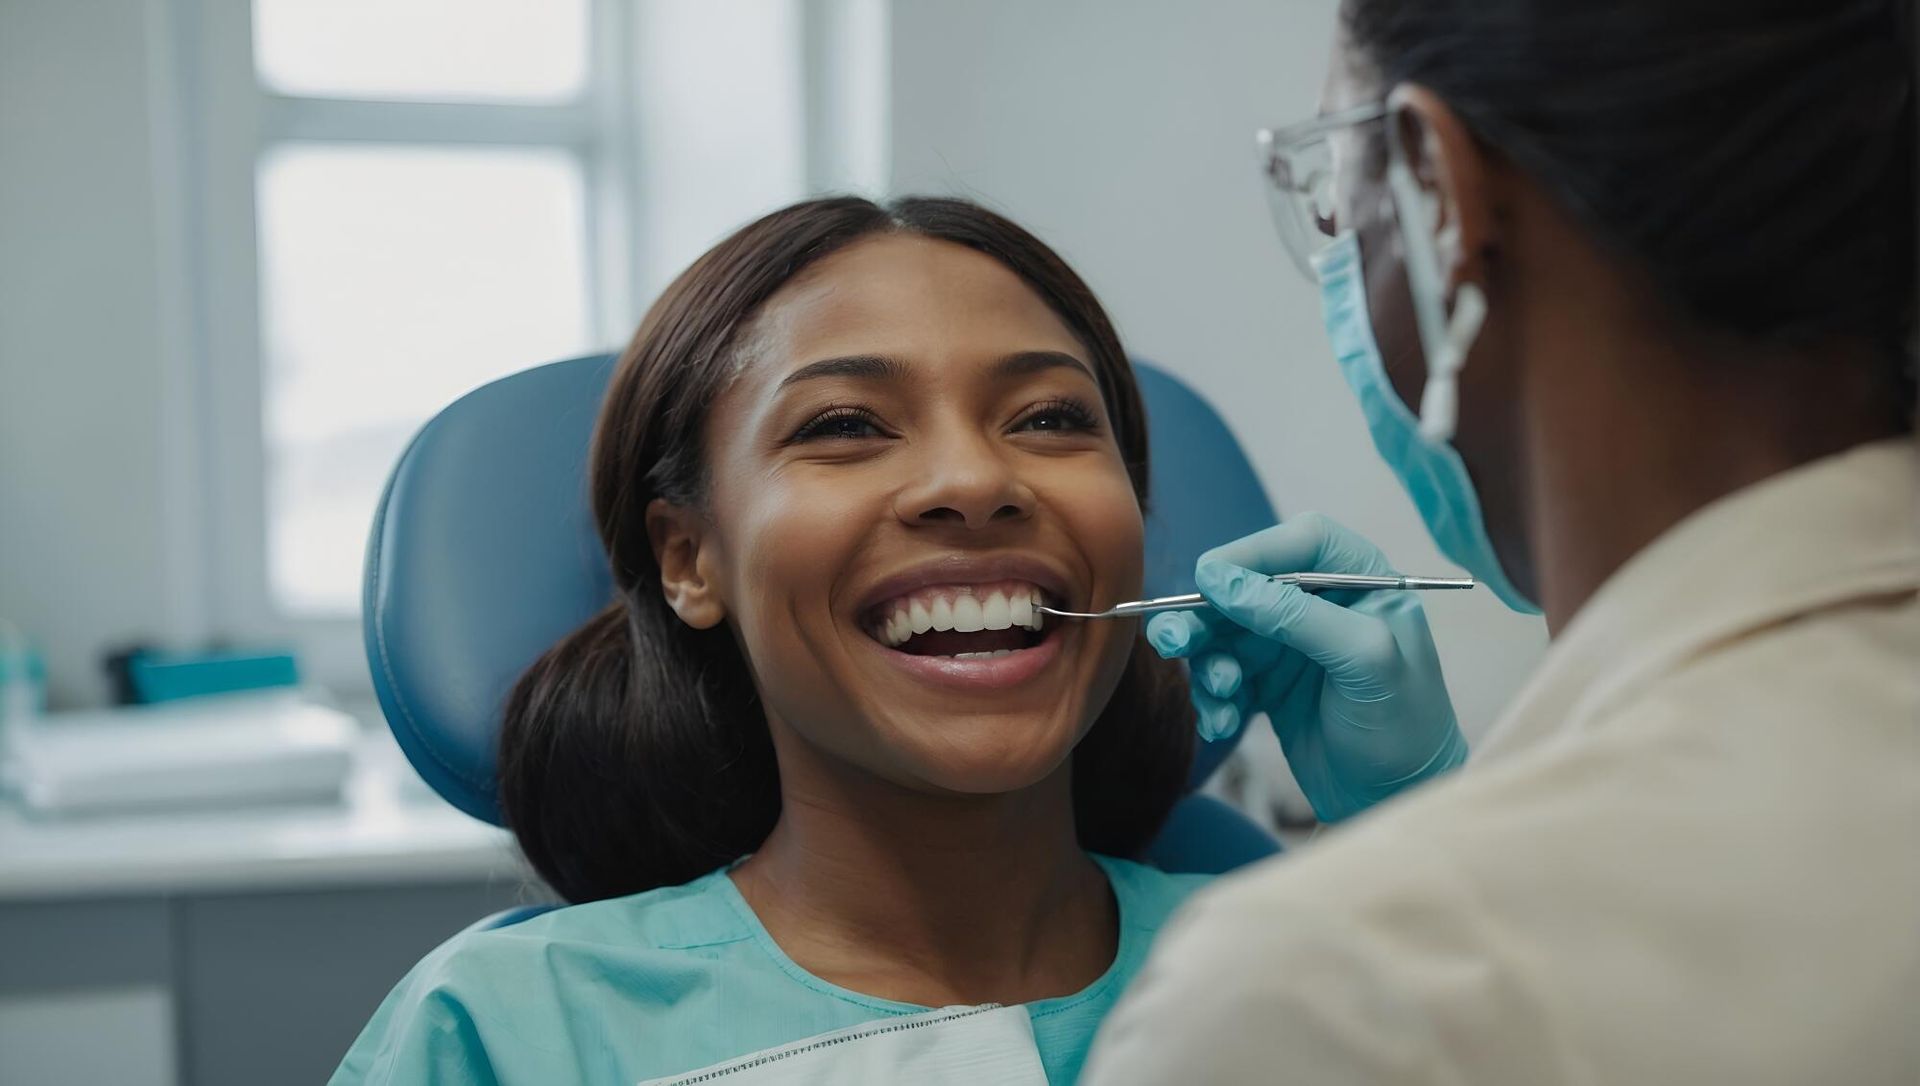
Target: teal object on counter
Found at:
x=165, y=676
x=670, y=981
x=25, y=667
x=23, y=684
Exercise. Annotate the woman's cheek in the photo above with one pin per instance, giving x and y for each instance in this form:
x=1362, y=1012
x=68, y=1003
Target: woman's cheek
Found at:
x=793, y=544
x=1104, y=516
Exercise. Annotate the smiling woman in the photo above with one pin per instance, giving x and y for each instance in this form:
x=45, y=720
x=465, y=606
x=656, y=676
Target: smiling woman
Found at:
x=821, y=761
x=838, y=406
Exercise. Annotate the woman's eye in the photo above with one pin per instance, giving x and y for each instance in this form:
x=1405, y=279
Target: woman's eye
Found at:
x=841, y=425
x=1060, y=416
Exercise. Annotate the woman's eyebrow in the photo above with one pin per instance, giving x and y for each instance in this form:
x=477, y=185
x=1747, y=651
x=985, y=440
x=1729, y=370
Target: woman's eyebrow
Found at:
x=1027, y=363
x=880, y=367
x=867, y=366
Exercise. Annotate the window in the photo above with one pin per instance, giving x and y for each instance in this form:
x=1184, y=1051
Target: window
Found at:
x=427, y=50
x=397, y=269
x=393, y=279
x=401, y=200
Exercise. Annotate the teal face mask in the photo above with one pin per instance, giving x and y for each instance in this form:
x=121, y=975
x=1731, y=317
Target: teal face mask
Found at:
x=1429, y=468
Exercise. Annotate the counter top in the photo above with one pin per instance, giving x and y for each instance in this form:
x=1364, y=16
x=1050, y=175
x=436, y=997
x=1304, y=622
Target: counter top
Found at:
x=388, y=829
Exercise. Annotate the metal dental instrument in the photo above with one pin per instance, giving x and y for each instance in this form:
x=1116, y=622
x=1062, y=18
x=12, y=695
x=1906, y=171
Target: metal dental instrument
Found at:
x=1310, y=581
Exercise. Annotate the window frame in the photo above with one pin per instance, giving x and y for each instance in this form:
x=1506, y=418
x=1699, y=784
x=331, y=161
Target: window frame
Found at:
x=227, y=120
x=239, y=121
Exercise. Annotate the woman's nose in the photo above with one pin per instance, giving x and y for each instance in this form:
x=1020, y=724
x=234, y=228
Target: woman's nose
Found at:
x=965, y=484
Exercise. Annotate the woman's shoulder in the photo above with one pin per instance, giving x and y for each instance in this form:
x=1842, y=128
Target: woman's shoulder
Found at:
x=630, y=933
x=537, y=982
x=692, y=914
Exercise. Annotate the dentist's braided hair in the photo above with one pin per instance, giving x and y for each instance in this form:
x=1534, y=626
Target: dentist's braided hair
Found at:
x=1755, y=158
x=635, y=753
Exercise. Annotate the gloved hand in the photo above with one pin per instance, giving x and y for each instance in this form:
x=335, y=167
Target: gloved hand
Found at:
x=1350, y=680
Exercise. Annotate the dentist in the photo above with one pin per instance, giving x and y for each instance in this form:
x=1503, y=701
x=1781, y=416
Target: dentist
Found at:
x=1627, y=294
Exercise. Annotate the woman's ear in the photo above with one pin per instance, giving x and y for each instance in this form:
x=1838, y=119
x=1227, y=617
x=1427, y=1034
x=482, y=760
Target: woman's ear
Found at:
x=688, y=578
x=1455, y=169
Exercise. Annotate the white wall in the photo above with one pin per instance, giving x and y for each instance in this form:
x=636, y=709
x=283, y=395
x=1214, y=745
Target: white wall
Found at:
x=92, y=540
x=1121, y=131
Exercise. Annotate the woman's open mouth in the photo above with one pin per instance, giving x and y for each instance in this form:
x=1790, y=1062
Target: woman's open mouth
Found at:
x=960, y=620
x=966, y=634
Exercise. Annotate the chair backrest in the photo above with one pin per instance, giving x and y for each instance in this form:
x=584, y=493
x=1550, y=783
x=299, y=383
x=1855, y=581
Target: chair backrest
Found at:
x=483, y=554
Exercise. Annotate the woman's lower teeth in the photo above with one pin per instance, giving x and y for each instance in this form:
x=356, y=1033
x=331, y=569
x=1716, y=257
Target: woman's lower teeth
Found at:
x=980, y=655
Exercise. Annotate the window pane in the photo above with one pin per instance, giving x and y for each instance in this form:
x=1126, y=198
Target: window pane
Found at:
x=441, y=50
x=394, y=279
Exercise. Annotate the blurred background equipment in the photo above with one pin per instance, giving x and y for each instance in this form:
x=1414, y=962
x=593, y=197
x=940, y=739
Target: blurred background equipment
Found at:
x=145, y=675
x=194, y=754
x=23, y=678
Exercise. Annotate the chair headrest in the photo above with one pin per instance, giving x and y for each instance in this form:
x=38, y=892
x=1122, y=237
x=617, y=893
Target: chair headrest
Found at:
x=484, y=553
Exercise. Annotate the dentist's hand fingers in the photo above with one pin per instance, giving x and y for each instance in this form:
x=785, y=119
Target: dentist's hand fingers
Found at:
x=1356, y=649
x=1308, y=543
x=1219, y=674
x=1225, y=671
x=1191, y=634
x=1216, y=718
x=1177, y=634
x=1256, y=653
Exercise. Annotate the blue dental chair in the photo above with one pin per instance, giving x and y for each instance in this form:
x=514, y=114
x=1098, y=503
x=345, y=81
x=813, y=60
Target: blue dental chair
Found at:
x=484, y=553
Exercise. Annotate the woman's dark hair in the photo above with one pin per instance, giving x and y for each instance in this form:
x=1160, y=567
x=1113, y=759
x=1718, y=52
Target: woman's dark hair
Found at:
x=635, y=753
x=1755, y=157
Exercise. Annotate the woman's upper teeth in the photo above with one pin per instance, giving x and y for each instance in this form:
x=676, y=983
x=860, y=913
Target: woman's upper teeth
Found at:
x=961, y=608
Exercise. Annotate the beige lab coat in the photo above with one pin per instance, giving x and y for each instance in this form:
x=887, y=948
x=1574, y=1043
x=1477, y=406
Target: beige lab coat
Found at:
x=1689, y=853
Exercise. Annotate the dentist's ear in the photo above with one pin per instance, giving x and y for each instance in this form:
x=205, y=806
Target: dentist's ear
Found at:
x=688, y=578
x=1454, y=169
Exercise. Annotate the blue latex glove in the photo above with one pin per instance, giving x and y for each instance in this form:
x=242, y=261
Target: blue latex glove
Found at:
x=1350, y=680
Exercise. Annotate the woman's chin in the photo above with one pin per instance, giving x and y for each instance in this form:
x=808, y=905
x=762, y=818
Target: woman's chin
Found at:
x=981, y=758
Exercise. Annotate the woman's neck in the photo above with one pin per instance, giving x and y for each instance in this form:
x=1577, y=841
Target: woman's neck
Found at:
x=930, y=899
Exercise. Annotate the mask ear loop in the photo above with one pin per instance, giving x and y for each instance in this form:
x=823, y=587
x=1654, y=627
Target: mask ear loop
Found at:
x=1440, y=401
x=1444, y=339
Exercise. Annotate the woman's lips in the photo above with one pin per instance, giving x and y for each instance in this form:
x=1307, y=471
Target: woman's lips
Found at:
x=999, y=672
x=986, y=601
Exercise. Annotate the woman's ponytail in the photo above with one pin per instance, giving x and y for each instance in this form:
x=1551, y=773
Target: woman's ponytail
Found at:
x=635, y=755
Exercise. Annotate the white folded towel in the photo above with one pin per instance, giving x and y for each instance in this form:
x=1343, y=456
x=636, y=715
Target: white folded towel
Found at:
x=206, y=752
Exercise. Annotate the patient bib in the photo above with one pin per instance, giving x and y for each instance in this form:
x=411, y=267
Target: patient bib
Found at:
x=946, y=1047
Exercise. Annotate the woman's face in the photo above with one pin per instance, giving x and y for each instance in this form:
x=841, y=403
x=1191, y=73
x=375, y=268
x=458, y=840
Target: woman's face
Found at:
x=914, y=453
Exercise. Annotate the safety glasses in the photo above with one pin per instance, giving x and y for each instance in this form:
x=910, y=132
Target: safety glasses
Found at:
x=1299, y=163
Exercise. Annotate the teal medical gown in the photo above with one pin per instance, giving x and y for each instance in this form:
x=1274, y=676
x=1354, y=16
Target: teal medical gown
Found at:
x=669, y=981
